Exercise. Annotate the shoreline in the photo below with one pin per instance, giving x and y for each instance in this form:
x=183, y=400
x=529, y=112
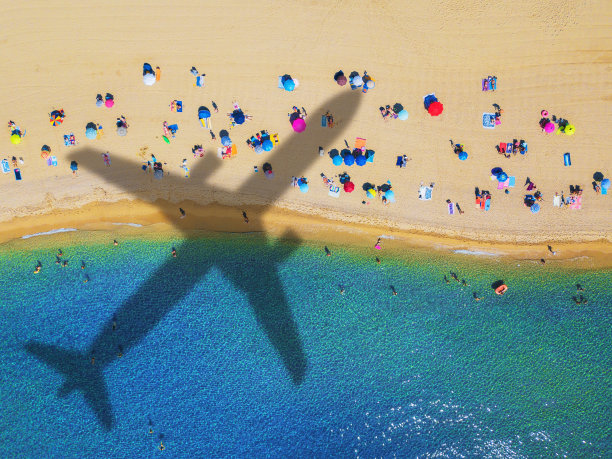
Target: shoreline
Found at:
x=131, y=217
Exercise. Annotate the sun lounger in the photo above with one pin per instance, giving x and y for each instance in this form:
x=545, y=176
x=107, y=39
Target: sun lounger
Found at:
x=451, y=208
x=488, y=120
x=17, y=174
x=6, y=168
x=577, y=204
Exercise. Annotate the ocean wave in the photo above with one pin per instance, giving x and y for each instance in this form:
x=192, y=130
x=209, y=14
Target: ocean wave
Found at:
x=135, y=225
x=45, y=233
x=476, y=252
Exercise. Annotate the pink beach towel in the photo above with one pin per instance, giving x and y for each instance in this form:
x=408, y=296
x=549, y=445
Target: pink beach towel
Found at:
x=502, y=185
x=577, y=204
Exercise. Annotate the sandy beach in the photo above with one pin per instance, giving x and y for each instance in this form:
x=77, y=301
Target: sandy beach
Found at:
x=60, y=56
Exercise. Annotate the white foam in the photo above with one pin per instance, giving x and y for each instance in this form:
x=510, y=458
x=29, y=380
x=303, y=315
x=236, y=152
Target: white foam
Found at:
x=135, y=225
x=61, y=230
x=387, y=237
x=476, y=252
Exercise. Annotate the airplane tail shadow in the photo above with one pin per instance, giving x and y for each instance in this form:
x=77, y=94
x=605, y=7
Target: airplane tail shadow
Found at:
x=80, y=374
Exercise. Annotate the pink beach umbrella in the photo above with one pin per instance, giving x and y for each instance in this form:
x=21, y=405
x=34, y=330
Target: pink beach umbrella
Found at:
x=299, y=125
x=549, y=127
x=109, y=103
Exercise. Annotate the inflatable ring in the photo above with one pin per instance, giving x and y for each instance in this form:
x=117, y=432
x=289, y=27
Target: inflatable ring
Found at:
x=544, y=114
x=501, y=289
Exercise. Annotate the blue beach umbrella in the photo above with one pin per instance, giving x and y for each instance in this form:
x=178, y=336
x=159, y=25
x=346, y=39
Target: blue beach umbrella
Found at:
x=303, y=187
x=238, y=116
x=360, y=160
x=337, y=160
x=91, y=133
x=496, y=171
x=226, y=141
x=390, y=195
x=203, y=114
x=259, y=149
x=403, y=115
x=502, y=177
x=463, y=156
x=605, y=183
x=535, y=208
x=288, y=83
x=267, y=145
x=349, y=160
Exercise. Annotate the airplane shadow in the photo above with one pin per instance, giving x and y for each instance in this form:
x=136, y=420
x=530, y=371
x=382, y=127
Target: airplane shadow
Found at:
x=175, y=278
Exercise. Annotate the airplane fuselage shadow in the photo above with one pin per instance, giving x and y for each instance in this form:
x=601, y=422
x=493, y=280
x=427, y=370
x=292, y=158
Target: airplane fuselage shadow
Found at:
x=175, y=278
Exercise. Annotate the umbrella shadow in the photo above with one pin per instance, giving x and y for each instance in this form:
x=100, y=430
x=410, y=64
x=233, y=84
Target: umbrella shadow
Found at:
x=174, y=279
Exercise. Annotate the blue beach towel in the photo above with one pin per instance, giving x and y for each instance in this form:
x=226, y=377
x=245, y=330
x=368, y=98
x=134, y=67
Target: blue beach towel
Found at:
x=511, y=181
x=280, y=82
x=17, y=174
x=5, y=166
x=323, y=121
x=488, y=120
x=53, y=161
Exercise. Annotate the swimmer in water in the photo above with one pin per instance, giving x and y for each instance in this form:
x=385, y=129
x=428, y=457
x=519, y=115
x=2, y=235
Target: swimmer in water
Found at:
x=86, y=279
x=173, y=252
x=393, y=291
x=93, y=360
x=327, y=251
x=59, y=252
x=82, y=265
x=476, y=298
x=120, y=354
x=65, y=263
x=446, y=279
x=464, y=283
x=115, y=242
x=377, y=260
x=37, y=269
x=57, y=260
x=454, y=276
x=341, y=290
x=161, y=446
x=579, y=288
x=114, y=323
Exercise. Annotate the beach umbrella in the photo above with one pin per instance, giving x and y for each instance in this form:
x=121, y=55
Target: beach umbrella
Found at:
x=535, y=208
x=598, y=176
x=226, y=141
x=337, y=160
x=496, y=171
x=259, y=149
x=269, y=174
x=74, y=166
x=299, y=125
x=121, y=131
x=463, y=156
x=341, y=80
x=549, y=127
x=99, y=103
x=397, y=108
x=56, y=119
x=267, y=145
x=502, y=177
x=15, y=139
x=403, y=115
x=203, y=114
x=361, y=160
x=148, y=79
x=435, y=108
x=570, y=129
x=349, y=187
x=390, y=195
x=289, y=84
x=371, y=193
x=91, y=133
x=357, y=80
x=303, y=186
x=349, y=160
x=109, y=102
x=370, y=84
x=238, y=116
x=429, y=99
x=605, y=183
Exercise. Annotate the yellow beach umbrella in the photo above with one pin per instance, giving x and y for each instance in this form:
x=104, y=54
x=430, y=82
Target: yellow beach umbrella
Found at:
x=570, y=129
x=15, y=139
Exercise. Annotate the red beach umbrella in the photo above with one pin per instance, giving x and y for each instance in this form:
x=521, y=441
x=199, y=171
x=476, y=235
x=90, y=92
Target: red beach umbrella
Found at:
x=349, y=187
x=435, y=108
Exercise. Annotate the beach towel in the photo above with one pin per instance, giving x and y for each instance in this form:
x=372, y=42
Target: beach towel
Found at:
x=485, y=84
x=481, y=202
x=360, y=143
x=497, y=121
x=179, y=106
x=557, y=201
x=511, y=181
x=502, y=185
x=233, y=150
x=604, y=191
x=451, y=209
x=487, y=205
x=66, y=140
x=17, y=174
x=274, y=139
x=425, y=193
x=509, y=147
x=6, y=168
x=220, y=151
x=334, y=191
x=502, y=147
x=400, y=161
x=323, y=121
x=488, y=120
x=577, y=203
x=493, y=84
x=327, y=182
x=200, y=81
x=369, y=154
x=53, y=160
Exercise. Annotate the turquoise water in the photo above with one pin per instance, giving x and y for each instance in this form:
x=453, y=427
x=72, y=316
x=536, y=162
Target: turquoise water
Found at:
x=214, y=372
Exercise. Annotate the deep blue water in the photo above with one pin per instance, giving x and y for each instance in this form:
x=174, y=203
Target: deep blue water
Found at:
x=429, y=372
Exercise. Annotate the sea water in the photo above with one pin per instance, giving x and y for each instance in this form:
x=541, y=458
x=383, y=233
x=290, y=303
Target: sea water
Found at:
x=428, y=372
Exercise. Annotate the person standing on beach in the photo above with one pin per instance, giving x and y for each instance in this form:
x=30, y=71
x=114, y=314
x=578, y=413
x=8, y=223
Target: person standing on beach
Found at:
x=215, y=108
x=182, y=211
x=244, y=216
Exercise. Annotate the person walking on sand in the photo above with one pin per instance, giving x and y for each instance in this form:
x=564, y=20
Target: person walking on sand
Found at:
x=182, y=211
x=215, y=108
x=377, y=245
x=212, y=135
x=551, y=250
x=244, y=216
